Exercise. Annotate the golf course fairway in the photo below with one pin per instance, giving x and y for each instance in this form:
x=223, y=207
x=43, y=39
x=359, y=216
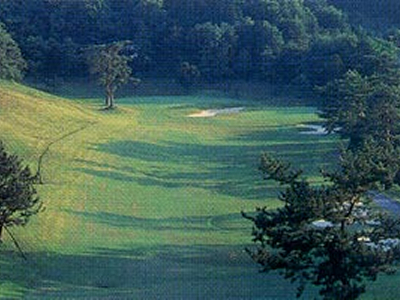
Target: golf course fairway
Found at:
x=144, y=202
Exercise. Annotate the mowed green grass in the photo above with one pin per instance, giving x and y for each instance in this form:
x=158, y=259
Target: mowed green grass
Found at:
x=144, y=202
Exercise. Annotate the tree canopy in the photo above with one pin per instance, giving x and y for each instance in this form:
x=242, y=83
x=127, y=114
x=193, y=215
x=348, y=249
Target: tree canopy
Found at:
x=110, y=66
x=12, y=65
x=365, y=111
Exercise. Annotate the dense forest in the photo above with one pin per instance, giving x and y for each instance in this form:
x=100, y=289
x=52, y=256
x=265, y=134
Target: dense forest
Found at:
x=377, y=15
x=305, y=42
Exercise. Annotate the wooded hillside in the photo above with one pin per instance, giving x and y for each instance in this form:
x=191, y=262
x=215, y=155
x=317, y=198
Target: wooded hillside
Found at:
x=306, y=42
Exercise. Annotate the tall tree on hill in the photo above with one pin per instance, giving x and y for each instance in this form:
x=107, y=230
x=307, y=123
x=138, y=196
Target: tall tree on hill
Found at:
x=110, y=65
x=365, y=110
x=18, y=200
x=12, y=65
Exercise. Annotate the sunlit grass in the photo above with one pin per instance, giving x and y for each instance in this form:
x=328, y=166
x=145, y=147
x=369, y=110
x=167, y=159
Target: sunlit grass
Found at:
x=146, y=177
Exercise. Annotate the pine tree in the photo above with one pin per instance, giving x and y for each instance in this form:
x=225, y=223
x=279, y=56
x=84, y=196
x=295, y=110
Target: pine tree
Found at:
x=18, y=197
x=328, y=236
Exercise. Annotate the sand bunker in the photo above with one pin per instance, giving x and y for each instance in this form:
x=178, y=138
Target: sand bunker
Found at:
x=312, y=129
x=214, y=112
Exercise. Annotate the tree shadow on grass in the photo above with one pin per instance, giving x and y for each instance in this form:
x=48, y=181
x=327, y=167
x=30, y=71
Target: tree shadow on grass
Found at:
x=236, y=188
x=224, y=222
x=165, y=272
x=230, y=169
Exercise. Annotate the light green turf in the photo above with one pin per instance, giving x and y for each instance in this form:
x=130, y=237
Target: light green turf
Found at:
x=145, y=201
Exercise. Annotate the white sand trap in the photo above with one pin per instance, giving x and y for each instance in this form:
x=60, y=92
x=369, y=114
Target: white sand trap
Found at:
x=312, y=129
x=214, y=112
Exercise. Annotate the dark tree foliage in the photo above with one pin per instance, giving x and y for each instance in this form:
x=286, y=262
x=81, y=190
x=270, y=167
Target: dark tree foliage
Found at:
x=215, y=47
x=12, y=65
x=364, y=107
x=18, y=199
x=327, y=236
x=365, y=111
x=378, y=15
x=299, y=41
x=188, y=75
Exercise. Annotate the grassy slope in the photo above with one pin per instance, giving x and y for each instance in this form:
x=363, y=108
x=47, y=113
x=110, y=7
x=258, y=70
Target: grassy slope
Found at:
x=143, y=200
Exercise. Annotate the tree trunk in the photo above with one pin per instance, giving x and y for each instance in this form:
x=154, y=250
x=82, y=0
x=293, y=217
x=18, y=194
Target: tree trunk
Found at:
x=1, y=232
x=111, y=103
x=109, y=97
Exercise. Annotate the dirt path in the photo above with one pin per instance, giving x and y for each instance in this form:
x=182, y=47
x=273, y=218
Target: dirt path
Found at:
x=49, y=145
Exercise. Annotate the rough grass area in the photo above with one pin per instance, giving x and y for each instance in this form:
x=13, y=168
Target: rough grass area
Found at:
x=144, y=202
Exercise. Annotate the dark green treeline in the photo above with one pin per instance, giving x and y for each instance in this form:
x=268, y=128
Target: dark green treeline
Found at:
x=307, y=42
